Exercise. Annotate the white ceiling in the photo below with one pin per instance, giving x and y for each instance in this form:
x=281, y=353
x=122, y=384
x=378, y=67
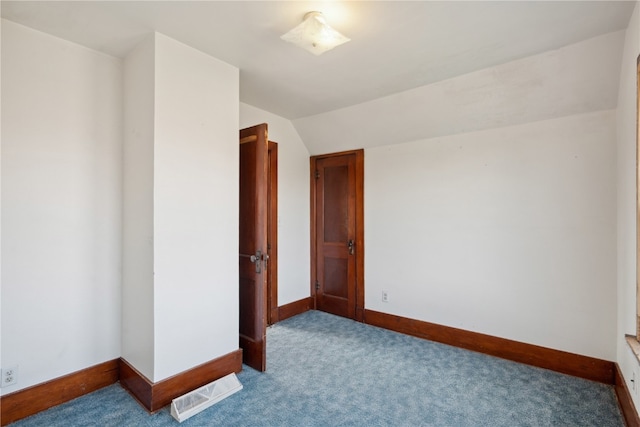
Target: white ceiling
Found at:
x=396, y=46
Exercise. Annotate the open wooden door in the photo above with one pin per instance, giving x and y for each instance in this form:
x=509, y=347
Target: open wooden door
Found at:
x=253, y=245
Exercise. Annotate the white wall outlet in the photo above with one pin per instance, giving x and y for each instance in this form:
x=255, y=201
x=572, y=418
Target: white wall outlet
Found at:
x=9, y=376
x=385, y=296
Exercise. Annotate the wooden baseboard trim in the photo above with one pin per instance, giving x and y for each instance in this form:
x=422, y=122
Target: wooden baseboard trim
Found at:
x=29, y=401
x=136, y=384
x=627, y=407
x=556, y=360
x=154, y=396
x=294, y=308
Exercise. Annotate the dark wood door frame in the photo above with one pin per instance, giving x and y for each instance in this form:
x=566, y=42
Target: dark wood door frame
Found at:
x=272, y=235
x=359, y=232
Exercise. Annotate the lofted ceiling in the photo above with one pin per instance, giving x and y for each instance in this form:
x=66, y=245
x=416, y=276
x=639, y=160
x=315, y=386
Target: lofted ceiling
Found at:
x=397, y=48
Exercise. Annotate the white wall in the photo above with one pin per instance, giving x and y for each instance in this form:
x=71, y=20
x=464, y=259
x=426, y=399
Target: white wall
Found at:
x=196, y=196
x=137, y=213
x=293, y=203
x=508, y=232
x=61, y=219
x=180, y=284
x=627, y=116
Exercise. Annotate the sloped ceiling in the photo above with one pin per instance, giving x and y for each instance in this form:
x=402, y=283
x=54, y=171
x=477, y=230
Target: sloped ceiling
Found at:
x=576, y=79
x=414, y=69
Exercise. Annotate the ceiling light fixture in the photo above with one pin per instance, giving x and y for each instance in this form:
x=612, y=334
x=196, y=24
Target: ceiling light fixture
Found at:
x=314, y=34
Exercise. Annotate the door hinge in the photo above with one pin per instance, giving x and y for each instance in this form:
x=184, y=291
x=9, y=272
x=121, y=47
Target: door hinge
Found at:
x=317, y=174
x=317, y=285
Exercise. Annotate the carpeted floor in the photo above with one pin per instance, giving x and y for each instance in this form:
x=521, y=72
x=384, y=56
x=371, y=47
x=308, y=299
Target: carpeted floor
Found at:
x=324, y=370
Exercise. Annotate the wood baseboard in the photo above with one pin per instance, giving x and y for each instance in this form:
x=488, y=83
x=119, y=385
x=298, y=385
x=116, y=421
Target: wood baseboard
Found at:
x=627, y=407
x=294, y=308
x=29, y=401
x=136, y=384
x=154, y=396
x=556, y=360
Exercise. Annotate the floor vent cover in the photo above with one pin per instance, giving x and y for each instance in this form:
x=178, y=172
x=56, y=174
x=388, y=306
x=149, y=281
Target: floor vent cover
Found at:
x=200, y=399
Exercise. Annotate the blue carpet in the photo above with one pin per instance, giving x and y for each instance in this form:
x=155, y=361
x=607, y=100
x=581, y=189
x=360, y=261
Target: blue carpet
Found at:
x=324, y=370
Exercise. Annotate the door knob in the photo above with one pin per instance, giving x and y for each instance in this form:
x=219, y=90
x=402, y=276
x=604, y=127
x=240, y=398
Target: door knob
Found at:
x=350, y=244
x=257, y=258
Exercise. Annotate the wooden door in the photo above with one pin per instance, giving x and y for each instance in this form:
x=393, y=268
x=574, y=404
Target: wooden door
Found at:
x=338, y=234
x=253, y=245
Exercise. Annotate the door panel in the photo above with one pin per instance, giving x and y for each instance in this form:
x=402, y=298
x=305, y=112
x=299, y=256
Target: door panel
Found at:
x=337, y=239
x=336, y=274
x=253, y=245
x=336, y=187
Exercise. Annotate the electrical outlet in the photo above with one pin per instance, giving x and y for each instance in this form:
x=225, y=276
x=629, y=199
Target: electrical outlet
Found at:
x=385, y=296
x=10, y=376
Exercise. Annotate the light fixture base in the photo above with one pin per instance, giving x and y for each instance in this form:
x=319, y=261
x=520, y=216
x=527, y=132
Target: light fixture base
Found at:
x=314, y=34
